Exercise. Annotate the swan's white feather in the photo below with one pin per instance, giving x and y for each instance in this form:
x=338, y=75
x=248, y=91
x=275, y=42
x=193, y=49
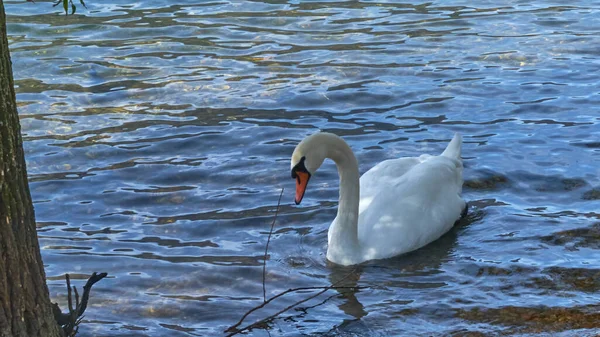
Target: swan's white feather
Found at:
x=405, y=212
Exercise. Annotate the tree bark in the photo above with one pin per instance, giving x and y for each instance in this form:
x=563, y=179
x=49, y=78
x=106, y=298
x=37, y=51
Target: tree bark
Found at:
x=25, y=308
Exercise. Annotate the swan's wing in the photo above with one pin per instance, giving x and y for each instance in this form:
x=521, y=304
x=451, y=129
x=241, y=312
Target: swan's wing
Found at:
x=414, y=209
x=375, y=179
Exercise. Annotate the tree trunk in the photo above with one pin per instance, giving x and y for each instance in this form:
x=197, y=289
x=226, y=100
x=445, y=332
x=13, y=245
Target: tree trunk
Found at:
x=25, y=308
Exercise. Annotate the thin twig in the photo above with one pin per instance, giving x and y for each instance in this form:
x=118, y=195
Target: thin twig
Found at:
x=86, y=290
x=71, y=325
x=69, y=298
x=248, y=327
x=267, y=248
x=77, y=303
x=234, y=328
x=291, y=290
x=305, y=309
x=266, y=319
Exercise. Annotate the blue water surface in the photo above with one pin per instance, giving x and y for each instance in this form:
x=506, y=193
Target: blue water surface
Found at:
x=158, y=138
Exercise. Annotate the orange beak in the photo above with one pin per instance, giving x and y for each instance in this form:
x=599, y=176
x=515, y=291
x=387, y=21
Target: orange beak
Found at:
x=301, y=183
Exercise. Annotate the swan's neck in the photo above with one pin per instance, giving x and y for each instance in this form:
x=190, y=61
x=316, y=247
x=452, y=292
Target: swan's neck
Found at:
x=343, y=233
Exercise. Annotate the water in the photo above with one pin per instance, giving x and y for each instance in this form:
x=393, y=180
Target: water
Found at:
x=158, y=139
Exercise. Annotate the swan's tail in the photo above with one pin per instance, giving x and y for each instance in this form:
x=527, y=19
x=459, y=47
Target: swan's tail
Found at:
x=453, y=149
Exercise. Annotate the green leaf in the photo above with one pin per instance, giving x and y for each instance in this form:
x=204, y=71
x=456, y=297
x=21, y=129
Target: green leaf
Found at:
x=83, y=3
x=73, y=8
x=66, y=6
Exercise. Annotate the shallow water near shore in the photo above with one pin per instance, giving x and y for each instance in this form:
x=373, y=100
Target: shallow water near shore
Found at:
x=158, y=139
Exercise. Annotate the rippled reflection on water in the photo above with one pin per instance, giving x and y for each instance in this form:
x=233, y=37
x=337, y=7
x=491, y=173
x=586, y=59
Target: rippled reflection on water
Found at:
x=158, y=139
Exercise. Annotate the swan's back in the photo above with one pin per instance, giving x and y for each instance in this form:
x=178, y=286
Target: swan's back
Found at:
x=407, y=203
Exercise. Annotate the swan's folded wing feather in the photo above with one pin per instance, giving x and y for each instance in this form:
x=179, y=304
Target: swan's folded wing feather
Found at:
x=373, y=180
x=409, y=211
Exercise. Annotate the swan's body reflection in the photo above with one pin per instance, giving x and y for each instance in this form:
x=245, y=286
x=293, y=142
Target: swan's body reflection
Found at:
x=391, y=274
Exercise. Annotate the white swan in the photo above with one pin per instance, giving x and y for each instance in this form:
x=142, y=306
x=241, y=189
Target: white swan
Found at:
x=398, y=206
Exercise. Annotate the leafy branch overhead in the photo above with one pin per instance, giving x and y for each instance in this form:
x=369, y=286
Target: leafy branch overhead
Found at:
x=66, y=5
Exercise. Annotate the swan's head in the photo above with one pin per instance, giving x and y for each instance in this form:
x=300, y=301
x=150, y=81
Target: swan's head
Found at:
x=306, y=159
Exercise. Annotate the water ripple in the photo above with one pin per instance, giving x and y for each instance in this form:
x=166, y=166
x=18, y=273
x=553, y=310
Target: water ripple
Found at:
x=158, y=136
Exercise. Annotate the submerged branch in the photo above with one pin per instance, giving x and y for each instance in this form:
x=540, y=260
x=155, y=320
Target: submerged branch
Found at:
x=234, y=330
x=87, y=288
x=70, y=321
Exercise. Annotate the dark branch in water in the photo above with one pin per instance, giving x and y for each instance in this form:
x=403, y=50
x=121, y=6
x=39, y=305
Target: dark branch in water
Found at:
x=70, y=321
x=87, y=288
x=234, y=330
x=267, y=248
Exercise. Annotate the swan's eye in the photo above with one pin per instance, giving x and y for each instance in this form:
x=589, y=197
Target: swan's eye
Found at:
x=299, y=168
